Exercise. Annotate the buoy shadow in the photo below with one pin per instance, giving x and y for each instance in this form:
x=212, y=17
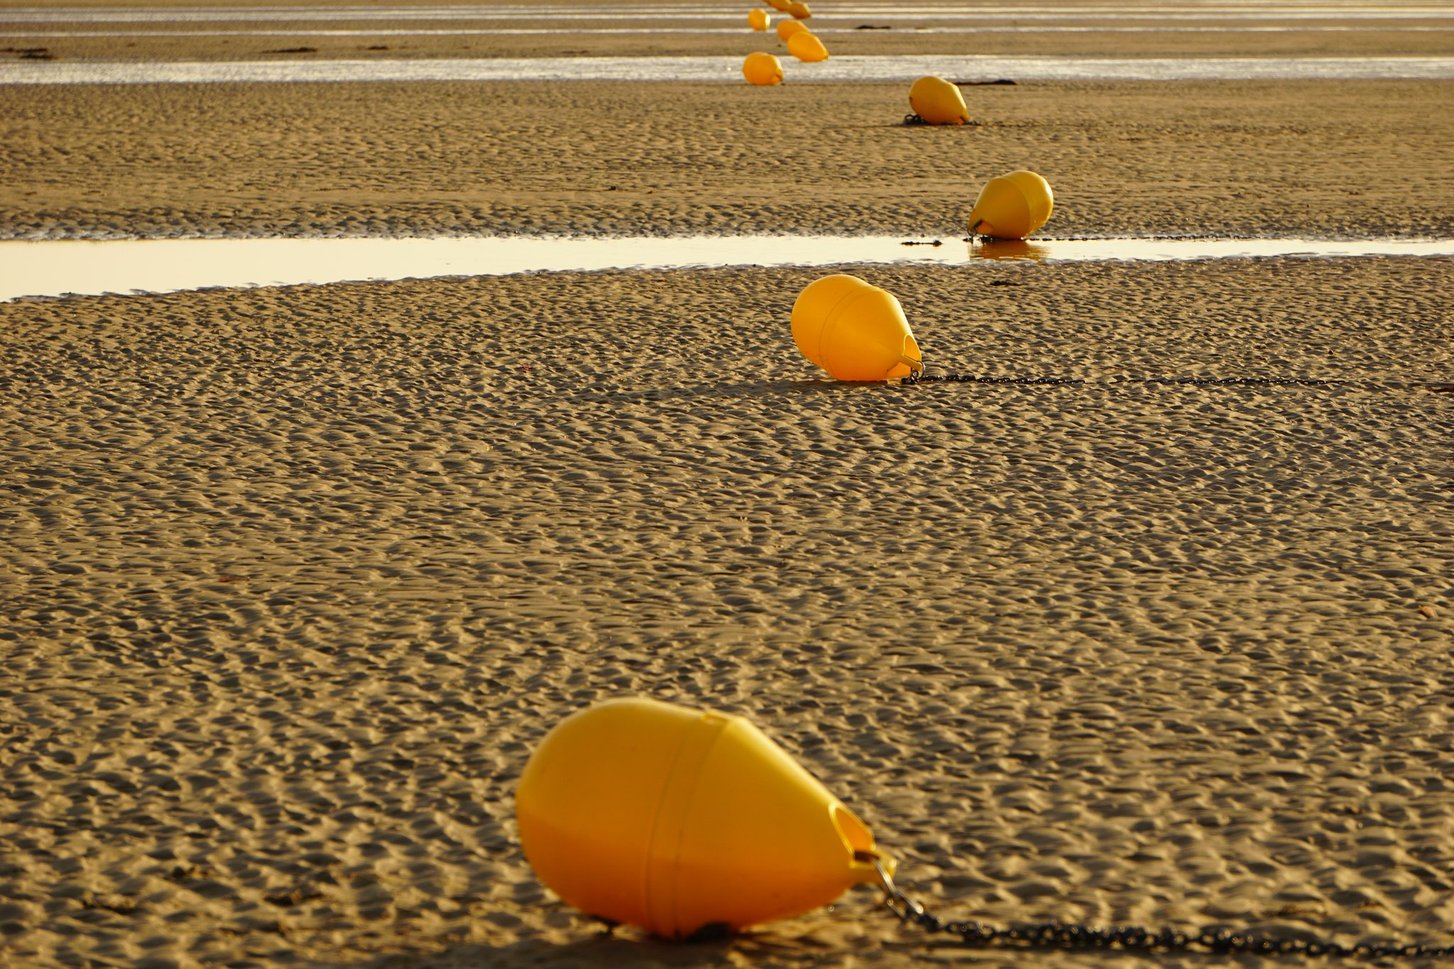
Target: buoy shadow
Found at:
x=704, y=391
x=613, y=950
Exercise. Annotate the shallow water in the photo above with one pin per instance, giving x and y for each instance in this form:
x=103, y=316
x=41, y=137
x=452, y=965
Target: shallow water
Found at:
x=729, y=69
x=73, y=267
x=697, y=31
x=705, y=12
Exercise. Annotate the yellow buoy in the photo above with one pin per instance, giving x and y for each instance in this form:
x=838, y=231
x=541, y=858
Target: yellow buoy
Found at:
x=806, y=47
x=799, y=11
x=760, y=67
x=677, y=820
x=854, y=330
x=758, y=19
x=780, y=5
x=787, y=28
x=938, y=101
x=1012, y=206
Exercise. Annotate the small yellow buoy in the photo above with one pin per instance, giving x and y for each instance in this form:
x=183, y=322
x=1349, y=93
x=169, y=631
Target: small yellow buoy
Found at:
x=760, y=67
x=854, y=330
x=806, y=47
x=938, y=101
x=1012, y=206
x=678, y=820
x=799, y=11
x=780, y=5
x=758, y=19
x=786, y=29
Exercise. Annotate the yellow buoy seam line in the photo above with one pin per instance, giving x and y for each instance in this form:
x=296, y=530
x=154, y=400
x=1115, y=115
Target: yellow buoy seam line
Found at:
x=659, y=819
x=1132, y=938
x=709, y=930
x=829, y=317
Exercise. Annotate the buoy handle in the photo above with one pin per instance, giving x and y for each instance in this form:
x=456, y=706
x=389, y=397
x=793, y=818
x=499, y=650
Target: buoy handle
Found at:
x=885, y=879
x=904, y=907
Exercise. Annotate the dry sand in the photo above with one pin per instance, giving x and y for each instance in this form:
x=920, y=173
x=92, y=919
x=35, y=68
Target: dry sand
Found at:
x=295, y=579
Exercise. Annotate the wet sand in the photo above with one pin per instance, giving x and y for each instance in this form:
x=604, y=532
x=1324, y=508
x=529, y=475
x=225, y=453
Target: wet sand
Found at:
x=296, y=578
x=1327, y=158
x=1087, y=28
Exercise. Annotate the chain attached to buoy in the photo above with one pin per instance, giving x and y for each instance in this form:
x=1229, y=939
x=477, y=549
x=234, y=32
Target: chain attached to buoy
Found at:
x=966, y=378
x=1131, y=938
x=923, y=377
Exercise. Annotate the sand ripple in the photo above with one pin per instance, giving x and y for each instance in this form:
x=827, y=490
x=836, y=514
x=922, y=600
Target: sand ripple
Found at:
x=296, y=578
x=1129, y=159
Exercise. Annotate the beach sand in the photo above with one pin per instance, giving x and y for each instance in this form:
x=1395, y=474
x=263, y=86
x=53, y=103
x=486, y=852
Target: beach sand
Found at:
x=1270, y=158
x=295, y=579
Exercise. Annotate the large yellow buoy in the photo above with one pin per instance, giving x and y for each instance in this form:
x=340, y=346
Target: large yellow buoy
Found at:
x=787, y=28
x=1012, y=206
x=758, y=19
x=799, y=10
x=938, y=101
x=806, y=47
x=760, y=67
x=678, y=821
x=854, y=330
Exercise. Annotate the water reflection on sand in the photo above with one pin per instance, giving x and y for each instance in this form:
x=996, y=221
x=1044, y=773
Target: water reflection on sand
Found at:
x=729, y=69
x=56, y=268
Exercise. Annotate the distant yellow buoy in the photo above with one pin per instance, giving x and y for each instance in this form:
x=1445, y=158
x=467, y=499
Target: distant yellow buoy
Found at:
x=806, y=47
x=758, y=19
x=854, y=330
x=938, y=101
x=1012, y=206
x=780, y=5
x=799, y=11
x=786, y=29
x=677, y=820
x=760, y=68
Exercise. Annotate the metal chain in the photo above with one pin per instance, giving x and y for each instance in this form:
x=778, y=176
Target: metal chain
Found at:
x=965, y=378
x=1131, y=938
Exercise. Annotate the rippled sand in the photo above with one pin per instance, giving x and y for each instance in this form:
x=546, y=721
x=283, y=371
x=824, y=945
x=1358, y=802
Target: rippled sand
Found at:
x=295, y=579
x=1334, y=158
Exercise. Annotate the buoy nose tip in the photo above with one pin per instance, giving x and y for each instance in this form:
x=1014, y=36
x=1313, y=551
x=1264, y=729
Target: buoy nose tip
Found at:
x=866, y=860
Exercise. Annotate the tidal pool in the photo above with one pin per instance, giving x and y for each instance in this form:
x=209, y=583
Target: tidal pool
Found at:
x=895, y=67
x=52, y=268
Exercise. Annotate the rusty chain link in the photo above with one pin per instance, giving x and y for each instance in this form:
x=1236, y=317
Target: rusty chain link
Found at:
x=965, y=378
x=1131, y=938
